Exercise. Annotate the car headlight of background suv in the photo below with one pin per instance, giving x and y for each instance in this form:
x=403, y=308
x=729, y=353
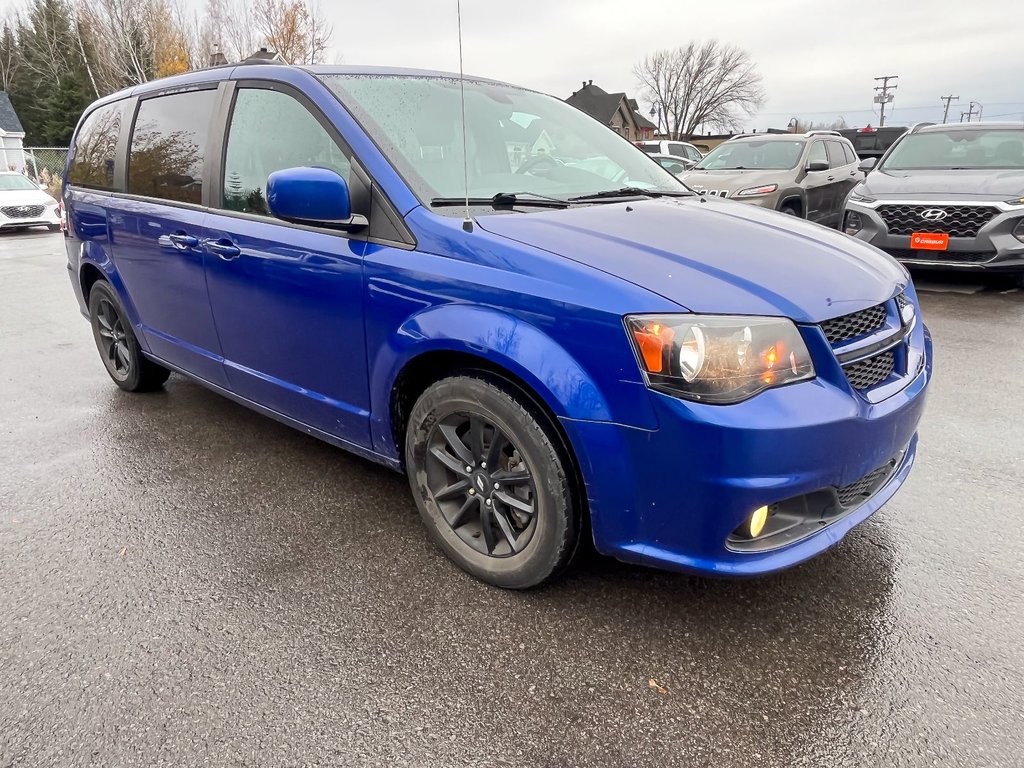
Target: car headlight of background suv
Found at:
x=764, y=189
x=717, y=358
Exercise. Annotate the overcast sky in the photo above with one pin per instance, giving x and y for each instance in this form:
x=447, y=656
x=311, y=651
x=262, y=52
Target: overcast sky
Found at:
x=818, y=59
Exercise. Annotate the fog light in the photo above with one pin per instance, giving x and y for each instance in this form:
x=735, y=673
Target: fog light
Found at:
x=1019, y=231
x=854, y=224
x=757, y=521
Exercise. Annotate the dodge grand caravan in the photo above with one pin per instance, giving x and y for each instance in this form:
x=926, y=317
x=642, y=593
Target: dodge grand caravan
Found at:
x=698, y=385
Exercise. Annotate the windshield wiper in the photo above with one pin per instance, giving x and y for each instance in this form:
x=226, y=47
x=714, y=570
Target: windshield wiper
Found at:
x=504, y=200
x=629, y=192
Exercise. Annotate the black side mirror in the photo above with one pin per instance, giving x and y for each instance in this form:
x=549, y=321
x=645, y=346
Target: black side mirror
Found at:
x=676, y=169
x=867, y=164
x=816, y=165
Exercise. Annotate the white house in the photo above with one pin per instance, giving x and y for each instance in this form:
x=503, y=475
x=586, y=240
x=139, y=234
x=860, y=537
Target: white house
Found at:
x=12, y=156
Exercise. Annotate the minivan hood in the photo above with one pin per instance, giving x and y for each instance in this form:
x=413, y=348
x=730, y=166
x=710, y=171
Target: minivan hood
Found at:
x=734, y=181
x=716, y=256
x=927, y=185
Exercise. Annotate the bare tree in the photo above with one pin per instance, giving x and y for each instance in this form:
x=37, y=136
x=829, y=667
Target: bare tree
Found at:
x=295, y=29
x=701, y=84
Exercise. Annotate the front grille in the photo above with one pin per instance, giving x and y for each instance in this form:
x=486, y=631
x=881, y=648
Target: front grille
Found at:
x=957, y=221
x=867, y=373
x=855, y=493
x=901, y=303
x=953, y=257
x=22, y=211
x=851, y=326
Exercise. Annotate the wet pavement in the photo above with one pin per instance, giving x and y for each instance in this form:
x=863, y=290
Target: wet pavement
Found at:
x=185, y=582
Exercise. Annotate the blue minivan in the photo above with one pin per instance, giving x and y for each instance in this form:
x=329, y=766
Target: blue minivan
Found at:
x=430, y=273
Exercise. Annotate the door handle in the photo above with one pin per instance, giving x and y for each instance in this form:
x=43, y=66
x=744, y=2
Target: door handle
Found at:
x=183, y=241
x=224, y=249
x=831, y=178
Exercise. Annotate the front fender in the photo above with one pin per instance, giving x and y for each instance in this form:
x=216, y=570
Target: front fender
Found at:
x=503, y=340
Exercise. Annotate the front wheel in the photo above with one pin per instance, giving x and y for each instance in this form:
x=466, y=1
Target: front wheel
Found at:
x=490, y=484
x=117, y=345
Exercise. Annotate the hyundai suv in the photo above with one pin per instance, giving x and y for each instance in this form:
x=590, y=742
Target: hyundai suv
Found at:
x=546, y=351
x=948, y=196
x=805, y=175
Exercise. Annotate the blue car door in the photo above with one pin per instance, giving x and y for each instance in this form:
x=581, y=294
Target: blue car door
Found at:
x=157, y=230
x=287, y=299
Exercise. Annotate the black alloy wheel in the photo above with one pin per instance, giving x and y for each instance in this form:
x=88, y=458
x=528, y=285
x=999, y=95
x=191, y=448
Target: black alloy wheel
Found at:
x=119, y=349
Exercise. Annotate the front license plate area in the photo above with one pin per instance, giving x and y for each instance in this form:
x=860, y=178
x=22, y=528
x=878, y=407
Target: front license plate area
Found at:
x=926, y=241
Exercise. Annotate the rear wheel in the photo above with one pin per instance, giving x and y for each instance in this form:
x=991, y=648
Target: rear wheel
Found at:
x=119, y=349
x=490, y=483
x=791, y=210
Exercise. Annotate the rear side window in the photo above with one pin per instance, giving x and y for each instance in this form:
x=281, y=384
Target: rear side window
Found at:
x=651, y=149
x=271, y=131
x=836, y=156
x=679, y=150
x=169, y=145
x=95, y=149
x=851, y=156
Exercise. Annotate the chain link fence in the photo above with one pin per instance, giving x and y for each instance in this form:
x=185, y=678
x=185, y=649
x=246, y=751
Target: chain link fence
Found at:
x=44, y=165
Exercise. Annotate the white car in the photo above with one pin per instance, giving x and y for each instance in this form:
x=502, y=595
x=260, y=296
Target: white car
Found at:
x=24, y=204
x=678, y=148
x=674, y=164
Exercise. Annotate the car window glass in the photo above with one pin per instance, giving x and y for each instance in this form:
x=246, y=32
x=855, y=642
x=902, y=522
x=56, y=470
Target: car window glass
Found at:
x=851, y=156
x=169, y=146
x=753, y=153
x=692, y=153
x=95, y=147
x=959, y=148
x=271, y=131
x=677, y=149
x=817, y=153
x=836, y=156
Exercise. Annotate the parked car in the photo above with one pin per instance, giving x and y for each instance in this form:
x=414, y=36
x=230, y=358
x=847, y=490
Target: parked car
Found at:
x=699, y=385
x=947, y=196
x=675, y=148
x=872, y=142
x=804, y=175
x=674, y=164
x=23, y=204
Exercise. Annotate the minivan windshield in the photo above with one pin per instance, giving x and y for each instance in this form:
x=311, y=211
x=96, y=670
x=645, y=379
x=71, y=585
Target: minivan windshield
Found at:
x=958, y=149
x=12, y=181
x=519, y=142
x=752, y=154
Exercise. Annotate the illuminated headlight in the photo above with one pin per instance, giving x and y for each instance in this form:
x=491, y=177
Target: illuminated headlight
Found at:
x=764, y=189
x=1018, y=231
x=854, y=223
x=718, y=359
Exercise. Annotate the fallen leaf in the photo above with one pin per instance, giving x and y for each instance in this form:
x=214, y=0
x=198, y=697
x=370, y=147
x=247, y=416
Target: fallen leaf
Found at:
x=656, y=686
x=124, y=551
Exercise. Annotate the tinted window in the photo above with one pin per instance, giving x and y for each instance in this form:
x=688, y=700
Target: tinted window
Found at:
x=836, y=156
x=169, y=146
x=677, y=149
x=271, y=131
x=651, y=149
x=817, y=153
x=95, y=148
x=851, y=156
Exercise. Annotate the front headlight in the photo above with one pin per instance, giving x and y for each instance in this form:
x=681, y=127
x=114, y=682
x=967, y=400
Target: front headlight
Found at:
x=858, y=196
x=718, y=358
x=764, y=189
x=1015, y=201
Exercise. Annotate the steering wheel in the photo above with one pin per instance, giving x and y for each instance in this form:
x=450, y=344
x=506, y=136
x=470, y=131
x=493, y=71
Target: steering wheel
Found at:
x=529, y=165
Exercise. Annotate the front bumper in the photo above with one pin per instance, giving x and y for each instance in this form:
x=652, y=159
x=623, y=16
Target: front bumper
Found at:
x=994, y=248
x=49, y=217
x=671, y=498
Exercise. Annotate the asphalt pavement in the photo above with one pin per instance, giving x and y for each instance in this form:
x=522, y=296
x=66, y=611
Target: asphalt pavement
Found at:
x=185, y=582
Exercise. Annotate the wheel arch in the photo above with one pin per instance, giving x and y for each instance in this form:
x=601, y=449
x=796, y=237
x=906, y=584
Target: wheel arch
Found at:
x=791, y=196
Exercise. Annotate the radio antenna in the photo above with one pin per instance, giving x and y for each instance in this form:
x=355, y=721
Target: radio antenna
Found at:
x=467, y=223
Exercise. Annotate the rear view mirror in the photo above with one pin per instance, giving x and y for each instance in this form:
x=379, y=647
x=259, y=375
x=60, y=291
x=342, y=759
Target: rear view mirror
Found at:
x=317, y=196
x=867, y=164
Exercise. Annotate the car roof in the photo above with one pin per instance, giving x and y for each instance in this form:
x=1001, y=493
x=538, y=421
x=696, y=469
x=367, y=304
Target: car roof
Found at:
x=981, y=126
x=779, y=137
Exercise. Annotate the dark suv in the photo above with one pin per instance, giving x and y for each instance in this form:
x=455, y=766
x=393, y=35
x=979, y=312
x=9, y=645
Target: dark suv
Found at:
x=947, y=195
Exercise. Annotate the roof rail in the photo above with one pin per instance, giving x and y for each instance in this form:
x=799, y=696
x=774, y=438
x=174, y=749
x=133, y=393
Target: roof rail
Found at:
x=823, y=133
x=917, y=126
x=744, y=135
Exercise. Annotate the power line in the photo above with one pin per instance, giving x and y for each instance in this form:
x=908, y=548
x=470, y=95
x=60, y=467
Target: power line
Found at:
x=969, y=114
x=947, y=99
x=883, y=95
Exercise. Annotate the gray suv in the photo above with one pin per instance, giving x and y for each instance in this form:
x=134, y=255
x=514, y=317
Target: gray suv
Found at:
x=947, y=196
x=807, y=175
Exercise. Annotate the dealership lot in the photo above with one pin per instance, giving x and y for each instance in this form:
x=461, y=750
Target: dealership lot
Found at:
x=182, y=580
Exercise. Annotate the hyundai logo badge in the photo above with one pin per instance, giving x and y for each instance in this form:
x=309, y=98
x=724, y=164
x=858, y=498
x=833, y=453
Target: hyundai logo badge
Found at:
x=934, y=214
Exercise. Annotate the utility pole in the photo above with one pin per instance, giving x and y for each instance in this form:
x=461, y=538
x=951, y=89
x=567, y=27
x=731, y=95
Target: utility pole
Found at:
x=883, y=95
x=970, y=114
x=947, y=99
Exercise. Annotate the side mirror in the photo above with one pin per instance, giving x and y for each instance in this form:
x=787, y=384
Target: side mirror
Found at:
x=867, y=164
x=814, y=167
x=675, y=169
x=317, y=196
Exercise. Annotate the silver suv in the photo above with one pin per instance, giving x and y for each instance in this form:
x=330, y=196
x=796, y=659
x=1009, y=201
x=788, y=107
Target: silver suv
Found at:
x=947, y=195
x=807, y=175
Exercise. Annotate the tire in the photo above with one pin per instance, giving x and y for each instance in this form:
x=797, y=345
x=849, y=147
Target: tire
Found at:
x=790, y=210
x=119, y=349
x=516, y=536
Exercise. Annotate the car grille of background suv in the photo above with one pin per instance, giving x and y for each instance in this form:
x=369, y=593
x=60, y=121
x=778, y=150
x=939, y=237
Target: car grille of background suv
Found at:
x=22, y=211
x=960, y=220
x=848, y=327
